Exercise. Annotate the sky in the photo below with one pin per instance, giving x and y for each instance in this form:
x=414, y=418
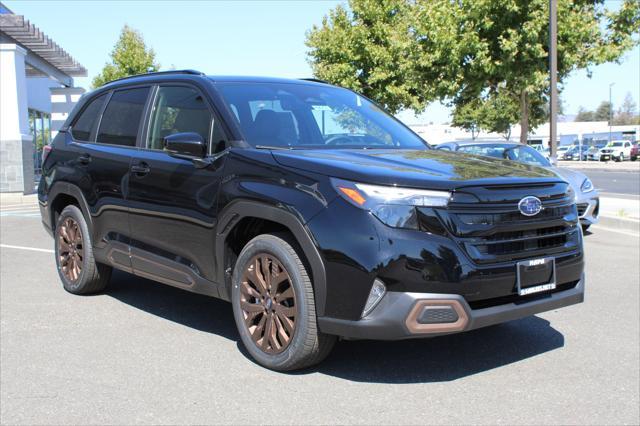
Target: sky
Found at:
x=252, y=38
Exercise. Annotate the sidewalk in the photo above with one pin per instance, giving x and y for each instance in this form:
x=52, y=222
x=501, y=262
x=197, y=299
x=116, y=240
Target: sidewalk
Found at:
x=13, y=198
x=620, y=213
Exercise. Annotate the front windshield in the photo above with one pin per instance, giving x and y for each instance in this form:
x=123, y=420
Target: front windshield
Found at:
x=286, y=115
x=616, y=144
x=521, y=154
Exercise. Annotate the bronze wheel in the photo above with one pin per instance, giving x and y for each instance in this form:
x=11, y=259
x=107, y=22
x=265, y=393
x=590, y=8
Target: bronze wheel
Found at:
x=70, y=249
x=268, y=303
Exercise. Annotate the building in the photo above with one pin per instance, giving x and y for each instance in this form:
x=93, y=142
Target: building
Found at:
x=36, y=95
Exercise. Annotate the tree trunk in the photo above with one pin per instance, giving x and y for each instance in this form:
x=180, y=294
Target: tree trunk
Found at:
x=524, y=117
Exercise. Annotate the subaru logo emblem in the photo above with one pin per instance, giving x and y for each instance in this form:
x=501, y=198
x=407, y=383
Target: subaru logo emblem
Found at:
x=530, y=206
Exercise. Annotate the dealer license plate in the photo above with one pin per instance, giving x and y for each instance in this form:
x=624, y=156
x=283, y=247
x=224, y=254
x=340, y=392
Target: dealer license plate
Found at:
x=536, y=275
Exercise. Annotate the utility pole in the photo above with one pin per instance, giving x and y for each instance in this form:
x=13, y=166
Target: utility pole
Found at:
x=610, y=110
x=553, y=74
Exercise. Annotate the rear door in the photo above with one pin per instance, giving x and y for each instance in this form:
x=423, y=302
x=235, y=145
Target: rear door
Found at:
x=173, y=203
x=107, y=147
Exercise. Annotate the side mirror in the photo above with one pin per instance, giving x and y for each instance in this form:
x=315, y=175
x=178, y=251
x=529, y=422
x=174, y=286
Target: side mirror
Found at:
x=185, y=145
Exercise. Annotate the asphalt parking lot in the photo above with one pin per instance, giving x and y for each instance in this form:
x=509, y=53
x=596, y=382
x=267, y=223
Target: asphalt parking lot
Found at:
x=147, y=353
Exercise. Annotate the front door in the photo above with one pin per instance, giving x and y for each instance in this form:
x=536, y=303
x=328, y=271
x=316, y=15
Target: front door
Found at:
x=172, y=202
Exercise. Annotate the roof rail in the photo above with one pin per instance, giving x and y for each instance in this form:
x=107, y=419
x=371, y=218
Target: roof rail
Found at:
x=191, y=72
x=317, y=80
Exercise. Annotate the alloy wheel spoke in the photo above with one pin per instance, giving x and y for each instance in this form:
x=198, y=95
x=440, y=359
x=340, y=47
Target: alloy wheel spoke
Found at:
x=266, y=270
x=286, y=322
x=257, y=331
x=251, y=307
x=287, y=294
x=255, y=275
x=285, y=311
x=267, y=332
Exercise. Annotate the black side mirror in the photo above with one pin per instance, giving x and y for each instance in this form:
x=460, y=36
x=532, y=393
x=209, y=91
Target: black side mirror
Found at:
x=186, y=145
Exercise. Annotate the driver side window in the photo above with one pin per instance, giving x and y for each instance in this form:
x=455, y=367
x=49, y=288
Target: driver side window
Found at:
x=178, y=109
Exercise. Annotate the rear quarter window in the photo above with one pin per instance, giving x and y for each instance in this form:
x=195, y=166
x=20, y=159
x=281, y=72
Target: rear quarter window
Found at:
x=88, y=119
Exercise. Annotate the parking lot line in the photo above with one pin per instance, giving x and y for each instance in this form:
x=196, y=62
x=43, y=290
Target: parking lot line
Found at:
x=9, y=246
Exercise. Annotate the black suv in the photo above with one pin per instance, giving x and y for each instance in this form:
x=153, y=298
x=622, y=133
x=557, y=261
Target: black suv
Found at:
x=313, y=211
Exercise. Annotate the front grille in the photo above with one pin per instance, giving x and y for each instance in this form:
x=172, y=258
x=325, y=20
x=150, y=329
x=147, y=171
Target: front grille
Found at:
x=493, y=231
x=582, y=209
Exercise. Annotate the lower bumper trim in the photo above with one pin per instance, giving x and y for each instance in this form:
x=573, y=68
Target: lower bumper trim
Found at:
x=396, y=316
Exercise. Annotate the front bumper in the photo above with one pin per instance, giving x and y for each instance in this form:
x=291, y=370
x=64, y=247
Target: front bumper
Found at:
x=401, y=315
x=588, y=210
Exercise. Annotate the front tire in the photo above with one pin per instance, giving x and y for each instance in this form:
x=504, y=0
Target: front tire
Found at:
x=274, y=306
x=77, y=268
x=621, y=157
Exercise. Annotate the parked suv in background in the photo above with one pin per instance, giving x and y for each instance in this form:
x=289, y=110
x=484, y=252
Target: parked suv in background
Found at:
x=308, y=207
x=616, y=150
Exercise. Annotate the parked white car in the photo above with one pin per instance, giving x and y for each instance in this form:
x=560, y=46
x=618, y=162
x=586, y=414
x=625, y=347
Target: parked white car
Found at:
x=616, y=150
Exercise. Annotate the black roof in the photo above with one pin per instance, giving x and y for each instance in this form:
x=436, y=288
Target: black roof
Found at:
x=215, y=78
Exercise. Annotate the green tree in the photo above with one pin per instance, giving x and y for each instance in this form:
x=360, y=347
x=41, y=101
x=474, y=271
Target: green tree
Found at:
x=408, y=53
x=584, y=115
x=602, y=112
x=130, y=56
x=494, y=113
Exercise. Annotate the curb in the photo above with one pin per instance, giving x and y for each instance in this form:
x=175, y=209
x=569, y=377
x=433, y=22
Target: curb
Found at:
x=619, y=224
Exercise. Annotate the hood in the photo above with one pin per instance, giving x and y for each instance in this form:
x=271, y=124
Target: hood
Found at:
x=434, y=169
x=574, y=178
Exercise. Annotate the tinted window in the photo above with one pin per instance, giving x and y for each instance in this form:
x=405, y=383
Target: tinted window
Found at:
x=121, y=118
x=313, y=116
x=178, y=110
x=88, y=119
x=527, y=155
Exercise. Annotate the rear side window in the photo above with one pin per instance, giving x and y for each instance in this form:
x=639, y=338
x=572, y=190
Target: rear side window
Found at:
x=121, y=118
x=88, y=120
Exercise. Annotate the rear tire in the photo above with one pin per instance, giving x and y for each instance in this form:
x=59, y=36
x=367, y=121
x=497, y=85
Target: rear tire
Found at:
x=277, y=323
x=77, y=268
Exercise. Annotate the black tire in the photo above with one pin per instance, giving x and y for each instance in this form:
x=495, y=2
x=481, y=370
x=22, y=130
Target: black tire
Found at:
x=585, y=227
x=307, y=346
x=93, y=276
x=620, y=158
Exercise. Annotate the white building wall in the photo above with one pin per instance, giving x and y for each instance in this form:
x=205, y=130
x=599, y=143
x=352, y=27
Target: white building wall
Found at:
x=38, y=94
x=16, y=143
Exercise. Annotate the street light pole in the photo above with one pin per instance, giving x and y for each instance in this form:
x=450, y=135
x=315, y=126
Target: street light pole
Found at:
x=610, y=110
x=553, y=71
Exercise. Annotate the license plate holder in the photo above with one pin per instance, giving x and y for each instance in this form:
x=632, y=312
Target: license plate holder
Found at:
x=535, y=275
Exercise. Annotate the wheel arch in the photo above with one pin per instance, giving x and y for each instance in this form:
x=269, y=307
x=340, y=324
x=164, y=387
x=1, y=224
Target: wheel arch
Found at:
x=63, y=194
x=278, y=219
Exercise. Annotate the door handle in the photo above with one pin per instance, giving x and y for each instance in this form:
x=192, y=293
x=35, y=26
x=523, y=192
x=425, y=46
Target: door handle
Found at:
x=140, y=169
x=84, y=159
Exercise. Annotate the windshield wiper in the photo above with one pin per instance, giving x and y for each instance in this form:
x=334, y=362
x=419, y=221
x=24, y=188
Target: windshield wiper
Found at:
x=272, y=147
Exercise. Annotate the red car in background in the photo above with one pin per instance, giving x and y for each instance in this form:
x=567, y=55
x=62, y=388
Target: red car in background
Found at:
x=634, y=151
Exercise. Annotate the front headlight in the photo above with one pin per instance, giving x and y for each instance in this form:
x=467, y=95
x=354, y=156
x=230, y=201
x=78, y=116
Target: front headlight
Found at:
x=587, y=185
x=394, y=206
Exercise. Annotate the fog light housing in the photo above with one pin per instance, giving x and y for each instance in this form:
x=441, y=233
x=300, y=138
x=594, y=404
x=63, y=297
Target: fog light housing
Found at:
x=378, y=290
